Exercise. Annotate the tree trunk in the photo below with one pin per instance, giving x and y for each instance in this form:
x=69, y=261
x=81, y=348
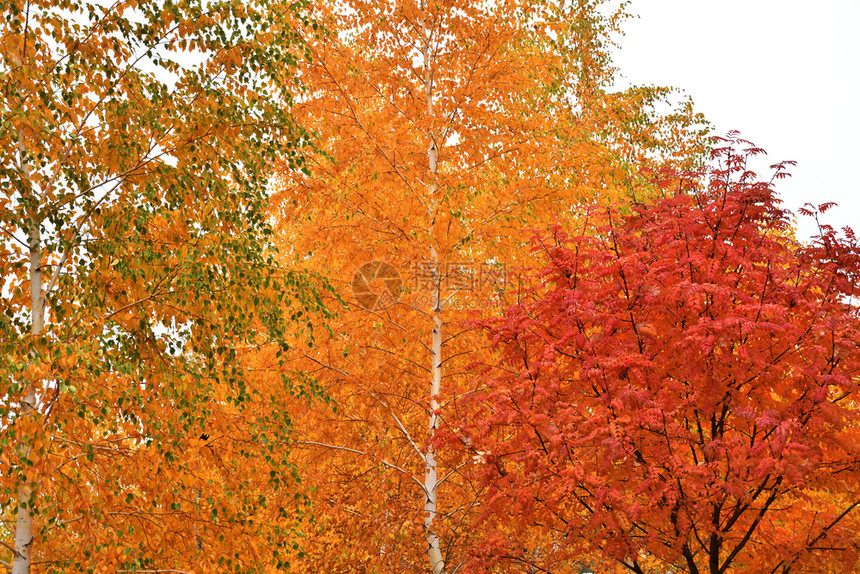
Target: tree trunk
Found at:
x=434, y=551
x=24, y=524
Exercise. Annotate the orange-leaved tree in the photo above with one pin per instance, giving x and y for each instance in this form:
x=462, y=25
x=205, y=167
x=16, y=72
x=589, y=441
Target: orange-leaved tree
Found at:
x=137, y=269
x=679, y=388
x=443, y=128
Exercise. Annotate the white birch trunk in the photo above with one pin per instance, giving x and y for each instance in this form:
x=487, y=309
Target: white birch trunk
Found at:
x=434, y=551
x=24, y=523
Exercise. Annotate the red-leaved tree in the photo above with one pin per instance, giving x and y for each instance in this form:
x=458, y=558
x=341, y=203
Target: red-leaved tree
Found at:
x=678, y=390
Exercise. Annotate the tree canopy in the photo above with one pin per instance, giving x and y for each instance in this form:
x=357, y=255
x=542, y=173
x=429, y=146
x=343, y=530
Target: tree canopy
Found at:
x=268, y=302
x=678, y=386
x=138, y=268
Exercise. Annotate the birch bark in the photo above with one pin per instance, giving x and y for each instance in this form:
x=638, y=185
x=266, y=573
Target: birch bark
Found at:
x=24, y=522
x=434, y=551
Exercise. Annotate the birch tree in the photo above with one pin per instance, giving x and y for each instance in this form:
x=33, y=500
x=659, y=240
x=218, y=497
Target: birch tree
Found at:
x=137, y=270
x=442, y=127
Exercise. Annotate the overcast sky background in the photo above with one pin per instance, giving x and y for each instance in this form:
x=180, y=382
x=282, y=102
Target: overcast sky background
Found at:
x=785, y=73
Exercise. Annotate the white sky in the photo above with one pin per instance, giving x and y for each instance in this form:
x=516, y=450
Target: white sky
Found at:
x=785, y=73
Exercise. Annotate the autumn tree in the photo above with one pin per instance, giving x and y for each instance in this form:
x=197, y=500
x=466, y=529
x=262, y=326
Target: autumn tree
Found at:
x=137, y=272
x=679, y=387
x=443, y=128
